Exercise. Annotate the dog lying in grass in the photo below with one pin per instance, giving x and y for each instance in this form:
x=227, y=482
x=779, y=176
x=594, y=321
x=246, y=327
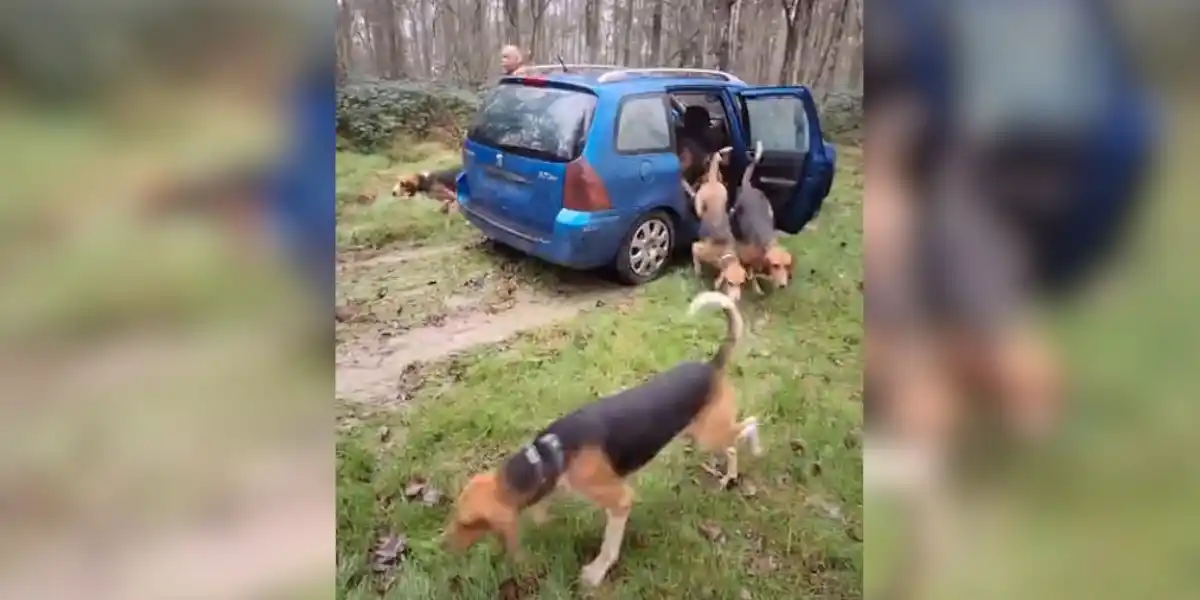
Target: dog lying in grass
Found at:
x=594, y=450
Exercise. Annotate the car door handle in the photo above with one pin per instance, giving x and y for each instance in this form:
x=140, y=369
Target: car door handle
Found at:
x=777, y=180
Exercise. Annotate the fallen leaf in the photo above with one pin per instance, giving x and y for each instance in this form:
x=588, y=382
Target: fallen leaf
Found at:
x=766, y=564
x=388, y=552
x=345, y=313
x=830, y=509
x=712, y=531
x=384, y=583
x=384, y=433
x=854, y=532
x=431, y=496
x=798, y=446
x=517, y=589
x=414, y=488
x=749, y=490
x=745, y=594
x=815, y=469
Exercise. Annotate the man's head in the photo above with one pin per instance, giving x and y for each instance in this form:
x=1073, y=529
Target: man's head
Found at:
x=511, y=59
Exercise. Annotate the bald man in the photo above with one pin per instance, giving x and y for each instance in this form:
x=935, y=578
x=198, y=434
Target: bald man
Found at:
x=511, y=59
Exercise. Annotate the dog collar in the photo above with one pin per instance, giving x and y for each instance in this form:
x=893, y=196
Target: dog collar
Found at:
x=551, y=443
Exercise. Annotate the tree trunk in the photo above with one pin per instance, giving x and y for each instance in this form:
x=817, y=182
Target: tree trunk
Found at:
x=627, y=33
x=829, y=56
x=396, y=41
x=512, y=22
x=791, y=41
x=656, y=31
x=727, y=14
x=537, y=11
x=345, y=40
x=591, y=26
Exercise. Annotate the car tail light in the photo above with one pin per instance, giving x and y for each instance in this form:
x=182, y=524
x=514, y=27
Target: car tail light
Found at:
x=534, y=81
x=583, y=189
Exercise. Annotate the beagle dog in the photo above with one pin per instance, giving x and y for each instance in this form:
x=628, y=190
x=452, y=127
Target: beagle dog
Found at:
x=440, y=185
x=717, y=244
x=758, y=246
x=594, y=450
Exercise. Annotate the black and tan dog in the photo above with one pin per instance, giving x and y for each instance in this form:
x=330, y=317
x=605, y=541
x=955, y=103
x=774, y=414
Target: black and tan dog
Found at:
x=754, y=224
x=716, y=245
x=439, y=185
x=594, y=450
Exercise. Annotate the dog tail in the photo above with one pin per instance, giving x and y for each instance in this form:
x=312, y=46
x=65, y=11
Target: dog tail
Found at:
x=733, y=323
x=758, y=151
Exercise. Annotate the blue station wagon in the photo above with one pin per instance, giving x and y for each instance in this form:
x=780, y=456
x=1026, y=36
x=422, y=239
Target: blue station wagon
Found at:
x=577, y=164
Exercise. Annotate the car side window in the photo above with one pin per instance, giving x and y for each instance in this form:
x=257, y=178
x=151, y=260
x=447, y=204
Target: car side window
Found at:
x=779, y=122
x=643, y=126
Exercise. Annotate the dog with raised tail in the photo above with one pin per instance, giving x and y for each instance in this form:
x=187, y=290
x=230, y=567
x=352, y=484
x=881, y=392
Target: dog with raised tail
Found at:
x=595, y=450
x=717, y=244
x=758, y=246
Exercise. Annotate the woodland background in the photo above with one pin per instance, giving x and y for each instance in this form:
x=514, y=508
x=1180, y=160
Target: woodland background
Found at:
x=816, y=42
x=415, y=67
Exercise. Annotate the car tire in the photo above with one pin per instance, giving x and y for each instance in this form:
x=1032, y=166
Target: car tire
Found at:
x=646, y=249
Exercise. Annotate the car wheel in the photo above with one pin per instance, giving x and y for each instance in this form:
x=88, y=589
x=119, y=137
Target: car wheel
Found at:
x=647, y=247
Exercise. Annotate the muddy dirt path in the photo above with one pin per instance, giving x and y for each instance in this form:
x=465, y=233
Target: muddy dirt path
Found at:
x=371, y=362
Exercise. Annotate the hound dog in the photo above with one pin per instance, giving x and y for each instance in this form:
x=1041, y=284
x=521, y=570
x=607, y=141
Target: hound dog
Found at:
x=440, y=185
x=758, y=245
x=594, y=450
x=717, y=244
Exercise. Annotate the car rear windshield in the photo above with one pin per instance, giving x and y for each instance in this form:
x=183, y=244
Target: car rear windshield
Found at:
x=547, y=123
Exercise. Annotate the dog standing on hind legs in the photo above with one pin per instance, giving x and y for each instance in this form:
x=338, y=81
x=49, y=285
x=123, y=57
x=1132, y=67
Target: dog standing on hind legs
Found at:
x=717, y=246
x=758, y=244
x=594, y=450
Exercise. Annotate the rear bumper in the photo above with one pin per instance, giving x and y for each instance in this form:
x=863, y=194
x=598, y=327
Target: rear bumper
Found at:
x=579, y=240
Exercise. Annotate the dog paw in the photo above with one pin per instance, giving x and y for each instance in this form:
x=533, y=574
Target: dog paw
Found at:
x=592, y=575
x=727, y=481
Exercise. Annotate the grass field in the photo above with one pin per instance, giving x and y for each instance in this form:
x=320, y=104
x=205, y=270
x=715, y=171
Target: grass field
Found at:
x=792, y=528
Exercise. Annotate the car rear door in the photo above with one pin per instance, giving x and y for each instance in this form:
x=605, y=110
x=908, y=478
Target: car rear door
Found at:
x=517, y=151
x=796, y=170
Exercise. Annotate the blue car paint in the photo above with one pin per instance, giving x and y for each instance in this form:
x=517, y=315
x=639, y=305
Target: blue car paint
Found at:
x=526, y=213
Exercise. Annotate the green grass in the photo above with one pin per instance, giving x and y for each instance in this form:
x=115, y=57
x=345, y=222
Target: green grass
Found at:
x=413, y=221
x=1105, y=512
x=789, y=530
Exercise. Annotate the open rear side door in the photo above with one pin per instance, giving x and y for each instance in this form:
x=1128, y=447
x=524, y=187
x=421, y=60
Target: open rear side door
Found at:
x=796, y=170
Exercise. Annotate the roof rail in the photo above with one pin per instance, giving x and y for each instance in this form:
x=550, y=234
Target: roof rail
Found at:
x=567, y=68
x=622, y=73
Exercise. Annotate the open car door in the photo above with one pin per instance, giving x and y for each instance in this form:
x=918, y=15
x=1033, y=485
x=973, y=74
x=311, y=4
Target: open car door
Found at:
x=796, y=170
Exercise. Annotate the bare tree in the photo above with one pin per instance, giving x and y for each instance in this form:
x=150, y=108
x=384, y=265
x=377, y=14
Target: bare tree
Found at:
x=512, y=16
x=817, y=42
x=627, y=33
x=591, y=20
x=727, y=13
x=537, y=11
x=792, y=11
x=656, y=32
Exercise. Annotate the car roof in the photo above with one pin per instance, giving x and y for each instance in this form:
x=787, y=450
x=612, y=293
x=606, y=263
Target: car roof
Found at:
x=636, y=81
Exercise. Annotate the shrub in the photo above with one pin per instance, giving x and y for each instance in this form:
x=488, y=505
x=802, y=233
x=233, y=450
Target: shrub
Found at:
x=842, y=117
x=371, y=114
